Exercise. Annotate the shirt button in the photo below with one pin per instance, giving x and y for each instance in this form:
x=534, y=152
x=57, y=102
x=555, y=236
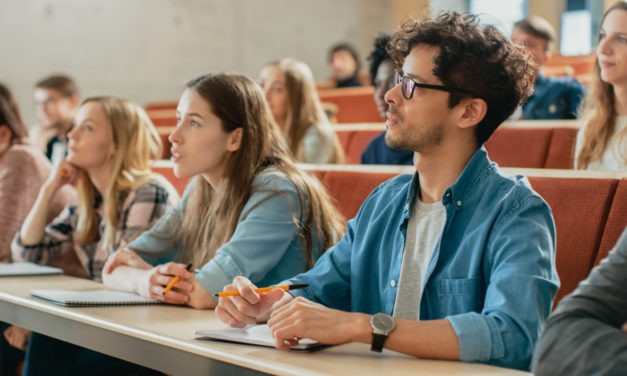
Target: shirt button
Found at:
x=459, y=203
x=393, y=283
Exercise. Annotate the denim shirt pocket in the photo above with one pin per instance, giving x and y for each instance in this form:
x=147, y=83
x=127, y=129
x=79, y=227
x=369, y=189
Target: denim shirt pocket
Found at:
x=460, y=296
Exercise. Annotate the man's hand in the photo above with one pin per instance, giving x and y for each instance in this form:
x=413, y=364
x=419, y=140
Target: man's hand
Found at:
x=302, y=318
x=249, y=307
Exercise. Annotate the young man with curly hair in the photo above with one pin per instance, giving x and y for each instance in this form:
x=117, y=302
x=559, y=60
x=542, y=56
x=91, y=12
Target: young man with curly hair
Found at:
x=454, y=262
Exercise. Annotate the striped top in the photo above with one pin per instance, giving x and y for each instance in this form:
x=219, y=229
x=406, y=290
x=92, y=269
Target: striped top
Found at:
x=141, y=209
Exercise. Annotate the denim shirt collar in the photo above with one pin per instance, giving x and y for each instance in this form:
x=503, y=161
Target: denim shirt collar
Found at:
x=456, y=194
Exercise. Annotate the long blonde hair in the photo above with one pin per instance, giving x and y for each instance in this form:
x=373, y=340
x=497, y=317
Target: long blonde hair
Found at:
x=211, y=215
x=305, y=110
x=600, y=113
x=136, y=142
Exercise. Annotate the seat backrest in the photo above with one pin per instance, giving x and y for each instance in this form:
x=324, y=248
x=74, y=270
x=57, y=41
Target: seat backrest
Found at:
x=349, y=189
x=519, y=147
x=616, y=221
x=354, y=105
x=580, y=208
x=561, y=153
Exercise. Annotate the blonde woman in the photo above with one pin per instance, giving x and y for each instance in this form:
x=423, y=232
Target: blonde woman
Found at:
x=291, y=93
x=118, y=197
x=249, y=211
x=602, y=143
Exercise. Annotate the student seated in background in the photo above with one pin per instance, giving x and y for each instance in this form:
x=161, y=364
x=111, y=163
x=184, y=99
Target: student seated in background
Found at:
x=382, y=76
x=345, y=65
x=57, y=98
x=23, y=169
x=455, y=262
x=553, y=97
x=250, y=211
x=602, y=142
x=108, y=158
x=291, y=93
x=587, y=333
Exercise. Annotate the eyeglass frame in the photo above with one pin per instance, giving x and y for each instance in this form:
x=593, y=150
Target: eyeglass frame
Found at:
x=400, y=78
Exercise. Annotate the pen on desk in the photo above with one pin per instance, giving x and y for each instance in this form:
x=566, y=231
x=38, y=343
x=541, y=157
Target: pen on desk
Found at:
x=175, y=280
x=264, y=289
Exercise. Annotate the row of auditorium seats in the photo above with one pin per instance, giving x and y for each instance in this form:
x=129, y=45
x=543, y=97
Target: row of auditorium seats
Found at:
x=539, y=144
x=590, y=208
x=350, y=105
x=528, y=144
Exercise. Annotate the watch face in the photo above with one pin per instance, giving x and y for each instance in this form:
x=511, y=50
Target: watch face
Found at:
x=383, y=322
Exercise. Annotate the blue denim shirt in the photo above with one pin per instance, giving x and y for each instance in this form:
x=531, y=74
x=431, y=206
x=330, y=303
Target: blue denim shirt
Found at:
x=554, y=98
x=265, y=247
x=492, y=273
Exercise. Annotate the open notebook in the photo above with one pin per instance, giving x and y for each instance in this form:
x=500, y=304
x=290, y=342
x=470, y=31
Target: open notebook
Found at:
x=26, y=268
x=259, y=335
x=91, y=298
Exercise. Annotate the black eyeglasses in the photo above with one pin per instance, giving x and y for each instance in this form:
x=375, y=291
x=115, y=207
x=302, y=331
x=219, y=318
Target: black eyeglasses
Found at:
x=408, y=85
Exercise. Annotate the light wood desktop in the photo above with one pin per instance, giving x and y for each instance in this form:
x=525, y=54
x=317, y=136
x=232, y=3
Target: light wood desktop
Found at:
x=161, y=337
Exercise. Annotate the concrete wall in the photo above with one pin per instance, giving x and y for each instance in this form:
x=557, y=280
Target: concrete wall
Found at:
x=145, y=50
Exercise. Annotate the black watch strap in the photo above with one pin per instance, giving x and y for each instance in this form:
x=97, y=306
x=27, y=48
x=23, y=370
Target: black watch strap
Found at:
x=377, y=342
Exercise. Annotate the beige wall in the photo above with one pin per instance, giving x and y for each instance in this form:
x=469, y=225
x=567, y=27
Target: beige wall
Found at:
x=144, y=50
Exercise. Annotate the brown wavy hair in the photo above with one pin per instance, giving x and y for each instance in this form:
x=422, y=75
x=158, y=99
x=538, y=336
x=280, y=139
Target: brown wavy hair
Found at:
x=599, y=112
x=211, y=215
x=10, y=116
x=476, y=58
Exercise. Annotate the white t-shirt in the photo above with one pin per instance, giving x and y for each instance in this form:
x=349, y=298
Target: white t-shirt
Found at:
x=615, y=154
x=424, y=229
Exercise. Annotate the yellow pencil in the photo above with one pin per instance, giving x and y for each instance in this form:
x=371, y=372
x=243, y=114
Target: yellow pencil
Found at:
x=264, y=289
x=175, y=280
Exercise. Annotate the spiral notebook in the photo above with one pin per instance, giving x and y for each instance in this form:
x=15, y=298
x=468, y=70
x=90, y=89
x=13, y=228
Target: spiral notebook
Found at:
x=259, y=335
x=91, y=298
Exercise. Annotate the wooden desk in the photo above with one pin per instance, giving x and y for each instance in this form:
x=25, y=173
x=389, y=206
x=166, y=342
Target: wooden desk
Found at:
x=161, y=337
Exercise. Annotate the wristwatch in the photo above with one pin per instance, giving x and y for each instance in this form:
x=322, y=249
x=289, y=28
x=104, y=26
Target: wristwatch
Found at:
x=382, y=325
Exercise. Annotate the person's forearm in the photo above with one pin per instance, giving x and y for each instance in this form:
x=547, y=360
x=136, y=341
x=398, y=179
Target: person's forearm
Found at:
x=32, y=230
x=126, y=278
x=433, y=339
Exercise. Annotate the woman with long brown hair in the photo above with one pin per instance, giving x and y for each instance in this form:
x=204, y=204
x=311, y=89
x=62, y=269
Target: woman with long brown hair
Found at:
x=290, y=90
x=602, y=143
x=249, y=211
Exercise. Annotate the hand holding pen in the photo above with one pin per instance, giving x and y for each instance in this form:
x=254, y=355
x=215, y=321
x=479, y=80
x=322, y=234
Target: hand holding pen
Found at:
x=170, y=283
x=242, y=303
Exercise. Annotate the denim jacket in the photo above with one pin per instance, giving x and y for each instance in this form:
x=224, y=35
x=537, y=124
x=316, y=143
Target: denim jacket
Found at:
x=554, y=98
x=265, y=247
x=492, y=273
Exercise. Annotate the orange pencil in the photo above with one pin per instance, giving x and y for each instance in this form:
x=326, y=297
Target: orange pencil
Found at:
x=175, y=280
x=264, y=289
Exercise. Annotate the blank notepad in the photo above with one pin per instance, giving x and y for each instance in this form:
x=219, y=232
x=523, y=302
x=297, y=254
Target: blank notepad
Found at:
x=26, y=268
x=259, y=335
x=91, y=298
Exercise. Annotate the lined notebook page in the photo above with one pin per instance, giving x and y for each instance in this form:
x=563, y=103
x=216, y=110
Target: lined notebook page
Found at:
x=259, y=335
x=26, y=268
x=87, y=298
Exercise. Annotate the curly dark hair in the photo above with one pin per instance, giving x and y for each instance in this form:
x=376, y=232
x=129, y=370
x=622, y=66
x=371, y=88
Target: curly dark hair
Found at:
x=378, y=55
x=477, y=58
